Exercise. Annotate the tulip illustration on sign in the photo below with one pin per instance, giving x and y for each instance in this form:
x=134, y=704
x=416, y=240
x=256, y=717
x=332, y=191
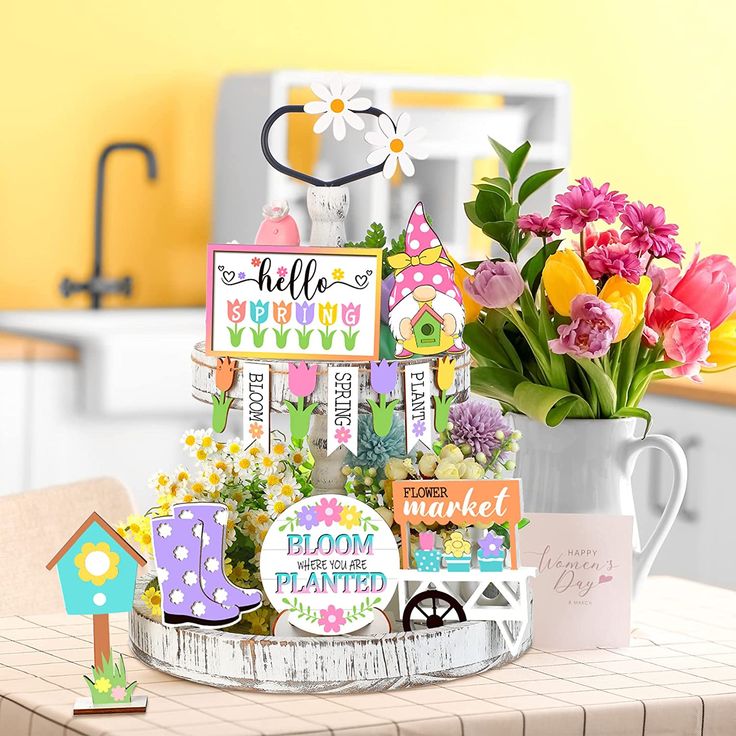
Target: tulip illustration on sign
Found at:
x=304, y=314
x=350, y=318
x=281, y=315
x=327, y=317
x=258, y=314
x=443, y=402
x=224, y=379
x=236, y=314
x=383, y=382
x=302, y=380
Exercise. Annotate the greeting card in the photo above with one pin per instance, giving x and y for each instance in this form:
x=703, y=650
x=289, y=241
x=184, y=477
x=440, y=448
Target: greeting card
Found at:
x=582, y=592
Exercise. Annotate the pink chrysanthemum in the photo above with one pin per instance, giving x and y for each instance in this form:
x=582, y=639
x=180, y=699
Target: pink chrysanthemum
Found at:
x=645, y=229
x=615, y=259
x=584, y=203
x=542, y=227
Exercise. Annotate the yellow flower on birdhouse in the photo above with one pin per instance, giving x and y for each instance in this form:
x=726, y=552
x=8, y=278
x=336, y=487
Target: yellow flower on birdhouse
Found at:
x=97, y=563
x=457, y=545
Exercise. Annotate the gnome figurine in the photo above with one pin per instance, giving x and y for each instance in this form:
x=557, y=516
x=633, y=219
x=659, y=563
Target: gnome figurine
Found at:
x=426, y=313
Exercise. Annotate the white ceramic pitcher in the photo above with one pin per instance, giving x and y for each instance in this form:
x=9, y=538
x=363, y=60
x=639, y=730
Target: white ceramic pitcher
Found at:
x=584, y=466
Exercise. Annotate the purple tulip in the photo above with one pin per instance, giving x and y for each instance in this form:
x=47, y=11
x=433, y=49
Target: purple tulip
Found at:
x=304, y=313
x=495, y=284
x=384, y=376
x=593, y=328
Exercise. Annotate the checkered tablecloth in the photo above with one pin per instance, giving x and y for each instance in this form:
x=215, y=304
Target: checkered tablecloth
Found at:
x=677, y=677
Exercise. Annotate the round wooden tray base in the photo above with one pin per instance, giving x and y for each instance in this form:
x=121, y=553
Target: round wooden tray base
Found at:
x=349, y=664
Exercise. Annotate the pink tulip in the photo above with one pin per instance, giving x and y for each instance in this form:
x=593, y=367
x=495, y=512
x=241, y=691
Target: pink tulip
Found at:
x=350, y=314
x=495, y=284
x=708, y=288
x=426, y=541
x=236, y=311
x=302, y=379
x=686, y=341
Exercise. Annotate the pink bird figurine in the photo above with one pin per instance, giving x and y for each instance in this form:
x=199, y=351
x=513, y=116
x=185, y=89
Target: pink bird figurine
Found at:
x=278, y=226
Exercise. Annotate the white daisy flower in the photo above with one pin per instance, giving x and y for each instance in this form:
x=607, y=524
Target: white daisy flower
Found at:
x=396, y=144
x=276, y=506
x=212, y=477
x=243, y=465
x=198, y=609
x=336, y=106
x=298, y=457
x=234, y=446
x=176, y=597
x=163, y=574
x=279, y=450
x=220, y=595
x=190, y=577
x=189, y=440
x=211, y=564
x=181, y=552
x=164, y=530
x=205, y=441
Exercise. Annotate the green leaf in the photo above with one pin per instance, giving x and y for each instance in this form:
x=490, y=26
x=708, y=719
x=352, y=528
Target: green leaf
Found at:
x=634, y=411
x=471, y=214
x=490, y=206
x=501, y=151
x=500, y=231
x=535, y=181
x=485, y=346
x=516, y=161
x=375, y=237
x=472, y=264
x=547, y=404
x=523, y=522
x=627, y=363
x=495, y=190
x=498, y=181
x=495, y=382
x=602, y=384
x=532, y=269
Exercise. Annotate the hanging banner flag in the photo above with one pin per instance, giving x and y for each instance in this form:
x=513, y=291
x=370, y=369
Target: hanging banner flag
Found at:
x=257, y=404
x=418, y=380
x=342, y=408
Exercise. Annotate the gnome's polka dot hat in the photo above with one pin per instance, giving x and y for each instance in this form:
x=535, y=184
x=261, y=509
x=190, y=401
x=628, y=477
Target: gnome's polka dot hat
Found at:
x=422, y=267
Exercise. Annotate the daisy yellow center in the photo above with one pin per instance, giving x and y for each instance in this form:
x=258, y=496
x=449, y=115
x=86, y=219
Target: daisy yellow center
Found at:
x=279, y=506
x=396, y=145
x=206, y=441
x=337, y=105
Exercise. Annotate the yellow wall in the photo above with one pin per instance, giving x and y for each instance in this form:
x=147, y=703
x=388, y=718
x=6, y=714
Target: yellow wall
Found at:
x=653, y=110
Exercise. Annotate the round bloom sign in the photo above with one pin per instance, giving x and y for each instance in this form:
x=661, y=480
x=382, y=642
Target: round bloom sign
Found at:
x=329, y=561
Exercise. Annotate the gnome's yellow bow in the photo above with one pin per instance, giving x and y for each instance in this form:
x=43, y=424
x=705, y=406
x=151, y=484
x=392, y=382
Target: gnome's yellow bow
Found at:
x=427, y=257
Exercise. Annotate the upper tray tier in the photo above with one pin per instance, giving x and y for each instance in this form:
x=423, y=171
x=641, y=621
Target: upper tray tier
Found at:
x=203, y=380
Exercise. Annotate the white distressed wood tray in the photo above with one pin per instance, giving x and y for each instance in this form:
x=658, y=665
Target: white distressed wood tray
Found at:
x=203, y=381
x=320, y=664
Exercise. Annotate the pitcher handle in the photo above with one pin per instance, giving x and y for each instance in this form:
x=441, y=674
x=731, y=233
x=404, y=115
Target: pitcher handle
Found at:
x=644, y=557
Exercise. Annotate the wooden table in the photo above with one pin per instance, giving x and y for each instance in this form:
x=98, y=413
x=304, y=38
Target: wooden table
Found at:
x=678, y=677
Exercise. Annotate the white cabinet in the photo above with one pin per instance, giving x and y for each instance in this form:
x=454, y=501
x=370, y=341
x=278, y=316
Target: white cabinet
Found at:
x=702, y=544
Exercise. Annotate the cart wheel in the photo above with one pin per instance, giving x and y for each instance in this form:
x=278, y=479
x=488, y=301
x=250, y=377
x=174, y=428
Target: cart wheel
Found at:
x=436, y=617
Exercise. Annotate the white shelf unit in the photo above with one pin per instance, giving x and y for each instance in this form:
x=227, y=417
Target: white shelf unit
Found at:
x=457, y=137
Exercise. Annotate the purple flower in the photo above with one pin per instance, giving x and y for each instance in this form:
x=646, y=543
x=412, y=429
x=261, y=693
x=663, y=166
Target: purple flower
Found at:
x=645, y=229
x=418, y=427
x=304, y=313
x=584, y=203
x=490, y=545
x=475, y=423
x=383, y=376
x=540, y=226
x=495, y=284
x=241, y=274
x=307, y=517
x=593, y=327
x=614, y=259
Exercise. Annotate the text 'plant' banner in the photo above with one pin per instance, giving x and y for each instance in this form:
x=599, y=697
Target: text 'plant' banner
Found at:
x=293, y=303
x=418, y=380
x=257, y=404
x=342, y=408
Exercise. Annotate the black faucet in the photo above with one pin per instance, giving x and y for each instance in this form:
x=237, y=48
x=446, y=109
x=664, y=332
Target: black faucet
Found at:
x=98, y=284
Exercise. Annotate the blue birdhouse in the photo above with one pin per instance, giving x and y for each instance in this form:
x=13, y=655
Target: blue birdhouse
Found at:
x=97, y=569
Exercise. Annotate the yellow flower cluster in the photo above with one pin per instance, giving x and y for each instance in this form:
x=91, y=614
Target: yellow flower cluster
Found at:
x=457, y=545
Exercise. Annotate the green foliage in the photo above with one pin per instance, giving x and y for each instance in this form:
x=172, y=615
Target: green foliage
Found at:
x=108, y=684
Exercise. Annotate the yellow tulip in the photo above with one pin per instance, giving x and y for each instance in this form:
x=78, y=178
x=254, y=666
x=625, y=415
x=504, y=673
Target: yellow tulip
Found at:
x=629, y=299
x=327, y=314
x=722, y=346
x=472, y=308
x=564, y=277
x=445, y=373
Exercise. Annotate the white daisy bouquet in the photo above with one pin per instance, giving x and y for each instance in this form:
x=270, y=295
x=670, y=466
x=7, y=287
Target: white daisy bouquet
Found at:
x=255, y=486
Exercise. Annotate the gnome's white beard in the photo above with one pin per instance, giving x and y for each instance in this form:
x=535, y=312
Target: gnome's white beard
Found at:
x=442, y=304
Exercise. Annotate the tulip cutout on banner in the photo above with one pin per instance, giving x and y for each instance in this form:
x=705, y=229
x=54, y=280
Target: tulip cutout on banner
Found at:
x=302, y=380
x=224, y=379
x=383, y=382
x=443, y=402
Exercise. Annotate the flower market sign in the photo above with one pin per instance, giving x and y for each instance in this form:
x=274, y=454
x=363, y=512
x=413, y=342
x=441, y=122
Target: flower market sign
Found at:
x=461, y=502
x=329, y=561
x=285, y=302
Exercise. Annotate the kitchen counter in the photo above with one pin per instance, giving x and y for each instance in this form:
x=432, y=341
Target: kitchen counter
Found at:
x=17, y=347
x=717, y=388
x=677, y=678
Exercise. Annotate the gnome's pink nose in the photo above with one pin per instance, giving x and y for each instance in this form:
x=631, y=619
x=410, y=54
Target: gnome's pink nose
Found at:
x=424, y=293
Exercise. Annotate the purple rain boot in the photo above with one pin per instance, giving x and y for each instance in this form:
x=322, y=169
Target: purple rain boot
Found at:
x=209, y=521
x=177, y=554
